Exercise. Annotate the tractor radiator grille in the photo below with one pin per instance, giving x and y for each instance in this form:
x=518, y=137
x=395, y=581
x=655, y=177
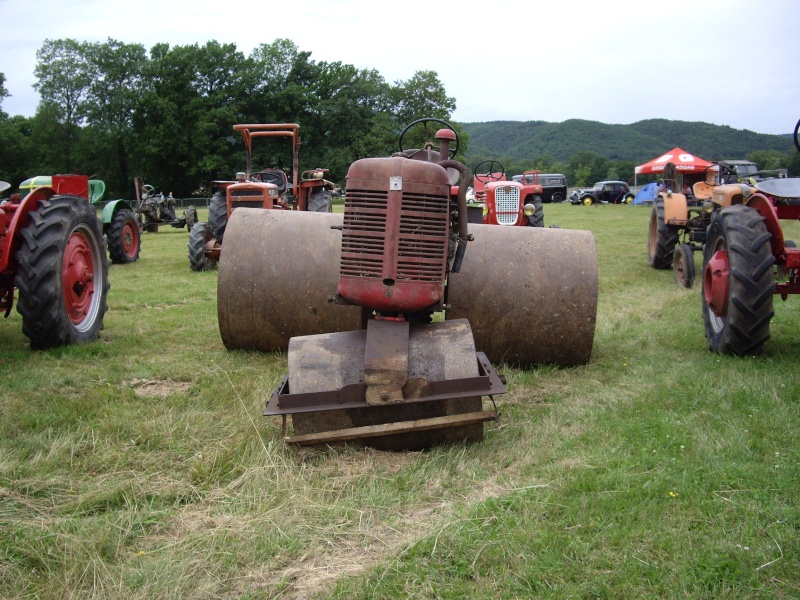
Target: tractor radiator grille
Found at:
x=421, y=237
x=507, y=204
x=363, y=233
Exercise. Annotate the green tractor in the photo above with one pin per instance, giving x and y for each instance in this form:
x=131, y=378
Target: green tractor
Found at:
x=121, y=228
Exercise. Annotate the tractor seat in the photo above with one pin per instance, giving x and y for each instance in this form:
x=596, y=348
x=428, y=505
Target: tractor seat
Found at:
x=702, y=190
x=275, y=176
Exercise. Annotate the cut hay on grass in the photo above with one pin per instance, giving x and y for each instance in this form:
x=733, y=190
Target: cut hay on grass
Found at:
x=140, y=466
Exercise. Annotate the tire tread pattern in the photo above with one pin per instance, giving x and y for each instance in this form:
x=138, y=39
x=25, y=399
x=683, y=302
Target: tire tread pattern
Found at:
x=752, y=282
x=38, y=279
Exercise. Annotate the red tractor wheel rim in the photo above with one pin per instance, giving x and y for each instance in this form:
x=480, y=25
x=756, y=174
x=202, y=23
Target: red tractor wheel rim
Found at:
x=77, y=277
x=716, y=280
x=130, y=239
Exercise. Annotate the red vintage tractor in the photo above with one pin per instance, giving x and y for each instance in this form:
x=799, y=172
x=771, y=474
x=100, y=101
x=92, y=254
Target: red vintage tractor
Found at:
x=367, y=360
x=506, y=202
x=53, y=253
x=268, y=189
x=747, y=261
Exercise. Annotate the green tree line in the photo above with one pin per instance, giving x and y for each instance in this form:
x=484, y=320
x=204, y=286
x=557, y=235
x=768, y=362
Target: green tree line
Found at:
x=113, y=110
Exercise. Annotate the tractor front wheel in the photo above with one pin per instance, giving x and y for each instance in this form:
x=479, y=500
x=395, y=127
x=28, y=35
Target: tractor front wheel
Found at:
x=199, y=236
x=661, y=239
x=738, y=281
x=63, y=274
x=537, y=218
x=683, y=264
x=123, y=237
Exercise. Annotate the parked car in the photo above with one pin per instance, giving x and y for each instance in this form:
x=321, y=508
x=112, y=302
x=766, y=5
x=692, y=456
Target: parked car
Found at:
x=554, y=185
x=605, y=192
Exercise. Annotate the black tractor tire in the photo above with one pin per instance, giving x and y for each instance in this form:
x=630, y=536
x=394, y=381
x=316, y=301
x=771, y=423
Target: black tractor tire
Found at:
x=537, y=219
x=662, y=238
x=218, y=215
x=683, y=265
x=63, y=273
x=124, y=240
x=191, y=217
x=751, y=282
x=198, y=237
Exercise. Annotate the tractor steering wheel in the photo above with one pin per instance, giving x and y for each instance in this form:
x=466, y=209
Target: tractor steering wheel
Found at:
x=491, y=174
x=796, y=138
x=428, y=142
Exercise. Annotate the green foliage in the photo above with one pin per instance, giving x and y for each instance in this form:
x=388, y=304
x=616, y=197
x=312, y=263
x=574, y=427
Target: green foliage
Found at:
x=115, y=110
x=617, y=149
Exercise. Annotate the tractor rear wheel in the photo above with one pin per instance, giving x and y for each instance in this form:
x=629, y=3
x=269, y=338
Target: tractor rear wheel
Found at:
x=218, y=215
x=738, y=281
x=199, y=236
x=661, y=238
x=63, y=273
x=124, y=241
x=529, y=294
x=683, y=265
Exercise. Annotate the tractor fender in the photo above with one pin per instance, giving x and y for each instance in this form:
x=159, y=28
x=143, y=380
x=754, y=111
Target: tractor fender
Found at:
x=765, y=208
x=18, y=222
x=112, y=208
x=675, y=207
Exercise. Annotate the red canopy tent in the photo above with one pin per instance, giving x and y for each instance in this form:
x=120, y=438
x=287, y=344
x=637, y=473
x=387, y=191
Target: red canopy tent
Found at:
x=682, y=160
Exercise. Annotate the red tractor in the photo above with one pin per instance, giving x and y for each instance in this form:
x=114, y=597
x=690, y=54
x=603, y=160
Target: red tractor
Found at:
x=53, y=253
x=747, y=261
x=506, y=202
x=268, y=189
x=353, y=298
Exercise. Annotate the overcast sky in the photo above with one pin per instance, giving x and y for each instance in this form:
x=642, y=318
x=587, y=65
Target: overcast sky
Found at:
x=731, y=62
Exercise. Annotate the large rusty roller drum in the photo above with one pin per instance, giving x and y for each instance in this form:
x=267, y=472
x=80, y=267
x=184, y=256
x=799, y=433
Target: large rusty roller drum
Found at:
x=529, y=293
x=277, y=271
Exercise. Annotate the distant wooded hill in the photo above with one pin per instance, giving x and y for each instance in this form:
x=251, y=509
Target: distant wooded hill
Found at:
x=637, y=142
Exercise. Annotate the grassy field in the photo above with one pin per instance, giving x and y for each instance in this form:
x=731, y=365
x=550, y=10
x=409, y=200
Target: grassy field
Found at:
x=140, y=466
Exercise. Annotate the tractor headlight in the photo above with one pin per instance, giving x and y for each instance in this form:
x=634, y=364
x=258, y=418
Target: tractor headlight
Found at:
x=708, y=207
x=485, y=209
x=529, y=210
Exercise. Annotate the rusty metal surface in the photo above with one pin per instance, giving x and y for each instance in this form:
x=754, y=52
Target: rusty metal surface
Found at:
x=529, y=293
x=386, y=360
x=277, y=270
x=352, y=395
x=437, y=351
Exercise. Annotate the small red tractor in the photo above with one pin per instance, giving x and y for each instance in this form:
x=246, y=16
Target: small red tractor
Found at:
x=53, y=253
x=506, y=202
x=353, y=298
x=268, y=189
x=746, y=260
